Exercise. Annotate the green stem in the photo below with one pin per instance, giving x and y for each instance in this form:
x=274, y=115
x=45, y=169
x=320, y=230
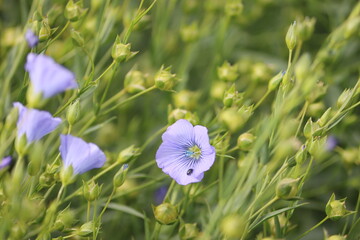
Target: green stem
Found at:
x=112, y=166
x=317, y=225
x=56, y=37
x=264, y=207
x=168, y=193
x=128, y=100
x=262, y=99
x=157, y=228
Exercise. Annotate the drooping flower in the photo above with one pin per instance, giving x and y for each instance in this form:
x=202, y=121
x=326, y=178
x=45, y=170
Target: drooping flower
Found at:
x=47, y=77
x=82, y=156
x=6, y=161
x=185, y=153
x=31, y=38
x=34, y=123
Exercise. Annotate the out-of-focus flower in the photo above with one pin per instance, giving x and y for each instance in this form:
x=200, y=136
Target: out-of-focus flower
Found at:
x=82, y=156
x=6, y=161
x=47, y=77
x=185, y=153
x=31, y=38
x=331, y=143
x=34, y=123
x=160, y=194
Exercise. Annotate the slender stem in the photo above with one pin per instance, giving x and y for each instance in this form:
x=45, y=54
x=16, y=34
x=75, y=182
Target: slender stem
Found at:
x=157, y=228
x=88, y=211
x=112, y=166
x=58, y=198
x=317, y=225
x=303, y=112
x=106, y=70
x=129, y=99
x=262, y=99
x=107, y=203
x=168, y=193
x=264, y=207
x=221, y=174
x=114, y=98
x=56, y=37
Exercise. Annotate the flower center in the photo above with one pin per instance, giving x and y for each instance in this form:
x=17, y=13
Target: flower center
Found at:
x=193, y=152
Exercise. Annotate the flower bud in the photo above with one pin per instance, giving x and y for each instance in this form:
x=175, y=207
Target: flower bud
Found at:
x=165, y=213
x=227, y=72
x=287, y=188
x=302, y=67
x=73, y=112
x=121, y=52
x=335, y=209
x=120, y=176
x=128, y=153
x=91, y=191
x=218, y=89
x=18, y=230
x=305, y=28
x=134, y=82
x=45, y=30
x=308, y=129
x=235, y=119
x=164, y=79
x=186, y=99
x=229, y=96
x=36, y=157
x=233, y=8
x=189, y=231
x=74, y=11
x=275, y=81
x=77, y=38
x=232, y=226
x=49, y=177
x=291, y=37
x=21, y=145
x=190, y=33
x=344, y=98
x=64, y=219
x=301, y=155
x=350, y=156
x=177, y=114
x=86, y=229
x=335, y=237
x=245, y=141
x=317, y=147
x=67, y=175
x=325, y=117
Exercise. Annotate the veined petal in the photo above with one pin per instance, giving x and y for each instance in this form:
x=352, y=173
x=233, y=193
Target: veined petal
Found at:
x=34, y=123
x=181, y=132
x=82, y=156
x=48, y=77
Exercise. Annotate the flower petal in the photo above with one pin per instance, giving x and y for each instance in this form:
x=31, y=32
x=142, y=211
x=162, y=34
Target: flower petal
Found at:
x=181, y=132
x=6, y=161
x=34, y=123
x=48, y=77
x=81, y=155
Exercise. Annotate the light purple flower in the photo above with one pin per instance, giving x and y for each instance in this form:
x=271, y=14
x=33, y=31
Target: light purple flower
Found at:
x=6, y=161
x=47, y=77
x=31, y=38
x=82, y=156
x=185, y=153
x=34, y=123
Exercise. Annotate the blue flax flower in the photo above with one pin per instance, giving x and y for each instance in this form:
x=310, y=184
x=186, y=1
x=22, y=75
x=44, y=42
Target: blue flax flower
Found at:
x=6, y=161
x=31, y=38
x=185, y=153
x=34, y=123
x=47, y=77
x=82, y=156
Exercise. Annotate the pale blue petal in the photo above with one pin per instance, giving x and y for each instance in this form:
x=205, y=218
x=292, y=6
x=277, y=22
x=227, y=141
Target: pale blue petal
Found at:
x=82, y=156
x=6, y=161
x=31, y=38
x=48, y=77
x=34, y=123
